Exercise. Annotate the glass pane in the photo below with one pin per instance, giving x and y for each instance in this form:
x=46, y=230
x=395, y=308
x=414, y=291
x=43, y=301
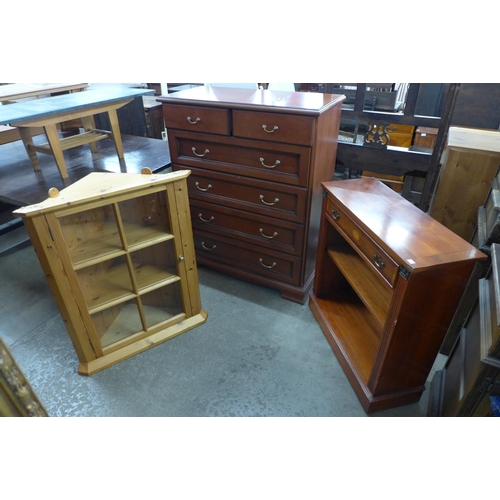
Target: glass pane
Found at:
x=162, y=304
x=117, y=322
x=145, y=218
x=105, y=282
x=155, y=265
x=91, y=234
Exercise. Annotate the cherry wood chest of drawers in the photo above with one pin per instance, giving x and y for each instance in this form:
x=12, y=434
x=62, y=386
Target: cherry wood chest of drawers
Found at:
x=257, y=160
x=388, y=280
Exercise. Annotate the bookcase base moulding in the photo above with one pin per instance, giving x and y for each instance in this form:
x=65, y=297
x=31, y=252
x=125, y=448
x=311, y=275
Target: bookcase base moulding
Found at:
x=117, y=251
x=388, y=281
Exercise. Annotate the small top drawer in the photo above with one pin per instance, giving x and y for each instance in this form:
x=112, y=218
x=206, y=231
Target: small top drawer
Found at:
x=381, y=262
x=275, y=127
x=196, y=118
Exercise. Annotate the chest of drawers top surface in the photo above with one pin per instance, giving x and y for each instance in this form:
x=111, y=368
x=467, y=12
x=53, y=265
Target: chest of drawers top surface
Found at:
x=410, y=236
x=304, y=103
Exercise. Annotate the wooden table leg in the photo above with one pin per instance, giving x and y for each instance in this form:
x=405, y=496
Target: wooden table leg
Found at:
x=55, y=146
x=115, y=129
x=27, y=139
x=88, y=125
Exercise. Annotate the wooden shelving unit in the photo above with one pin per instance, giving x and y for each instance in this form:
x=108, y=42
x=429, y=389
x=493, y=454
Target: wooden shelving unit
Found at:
x=118, y=253
x=388, y=280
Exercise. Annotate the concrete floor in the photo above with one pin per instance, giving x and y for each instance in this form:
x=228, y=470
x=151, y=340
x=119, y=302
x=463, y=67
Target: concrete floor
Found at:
x=257, y=355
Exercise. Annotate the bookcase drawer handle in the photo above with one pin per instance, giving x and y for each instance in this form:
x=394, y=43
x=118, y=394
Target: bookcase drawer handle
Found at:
x=264, y=265
x=197, y=184
x=269, y=131
x=379, y=262
x=269, y=166
x=193, y=122
x=266, y=202
x=200, y=155
x=205, y=220
x=206, y=248
x=335, y=214
x=261, y=231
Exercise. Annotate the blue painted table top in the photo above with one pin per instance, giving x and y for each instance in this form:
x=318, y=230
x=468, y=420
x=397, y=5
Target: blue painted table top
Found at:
x=10, y=114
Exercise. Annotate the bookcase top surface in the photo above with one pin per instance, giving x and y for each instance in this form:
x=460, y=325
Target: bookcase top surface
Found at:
x=412, y=237
x=98, y=186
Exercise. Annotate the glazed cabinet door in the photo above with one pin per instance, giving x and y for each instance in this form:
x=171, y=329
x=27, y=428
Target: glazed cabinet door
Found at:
x=124, y=257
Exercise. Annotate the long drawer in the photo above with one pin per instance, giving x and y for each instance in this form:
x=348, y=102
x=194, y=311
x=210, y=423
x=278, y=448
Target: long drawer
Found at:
x=274, y=162
x=197, y=119
x=274, y=127
x=381, y=263
x=272, y=233
x=260, y=197
x=252, y=258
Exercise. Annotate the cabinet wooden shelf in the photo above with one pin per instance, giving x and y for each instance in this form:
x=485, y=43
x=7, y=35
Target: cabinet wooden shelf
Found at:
x=388, y=280
x=118, y=253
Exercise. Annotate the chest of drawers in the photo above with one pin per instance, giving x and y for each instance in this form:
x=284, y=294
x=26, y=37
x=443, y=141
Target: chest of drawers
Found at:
x=257, y=160
x=388, y=280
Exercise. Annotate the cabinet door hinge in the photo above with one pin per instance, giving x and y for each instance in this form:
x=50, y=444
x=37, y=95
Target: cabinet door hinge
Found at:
x=50, y=232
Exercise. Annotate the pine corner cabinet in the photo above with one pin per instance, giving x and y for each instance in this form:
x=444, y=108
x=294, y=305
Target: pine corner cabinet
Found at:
x=388, y=281
x=117, y=251
x=258, y=158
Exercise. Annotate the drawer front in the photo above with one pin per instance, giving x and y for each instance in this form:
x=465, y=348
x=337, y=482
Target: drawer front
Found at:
x=261, y=197
x=380, y=261
x=252, y=258
x=268, y=232
x=275, y=127
x=196, y=119
x=278, y=163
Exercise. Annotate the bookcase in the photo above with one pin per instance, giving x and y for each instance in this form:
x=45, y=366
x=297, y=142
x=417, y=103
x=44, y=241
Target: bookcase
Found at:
x=117, y=251
x=388, y=280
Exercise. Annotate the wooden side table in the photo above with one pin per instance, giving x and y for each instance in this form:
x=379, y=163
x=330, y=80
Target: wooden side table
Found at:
x=49, y=112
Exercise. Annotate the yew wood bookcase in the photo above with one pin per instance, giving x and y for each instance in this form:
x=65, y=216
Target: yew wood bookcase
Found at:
x=388, y=280
x=117, y=251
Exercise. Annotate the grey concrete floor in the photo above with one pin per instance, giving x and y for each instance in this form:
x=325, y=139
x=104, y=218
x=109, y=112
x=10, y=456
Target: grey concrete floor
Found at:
x=257, y=355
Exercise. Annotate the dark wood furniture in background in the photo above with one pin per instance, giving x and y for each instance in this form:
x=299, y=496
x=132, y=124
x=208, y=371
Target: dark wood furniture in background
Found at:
x=388, y=280
x=416, y=162
x=257, y=160
x=154, y=117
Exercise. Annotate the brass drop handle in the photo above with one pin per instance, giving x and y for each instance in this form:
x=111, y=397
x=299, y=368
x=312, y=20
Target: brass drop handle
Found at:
x=266, y=202
x=205, y=220
x=197, y=184
x=197, y=154
x=193, y=122
x=261, y=231
x=269, y=131
x=379, y=262
x=264, y=265
x=206, y=248
x=335, y=214
x=277, y=162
